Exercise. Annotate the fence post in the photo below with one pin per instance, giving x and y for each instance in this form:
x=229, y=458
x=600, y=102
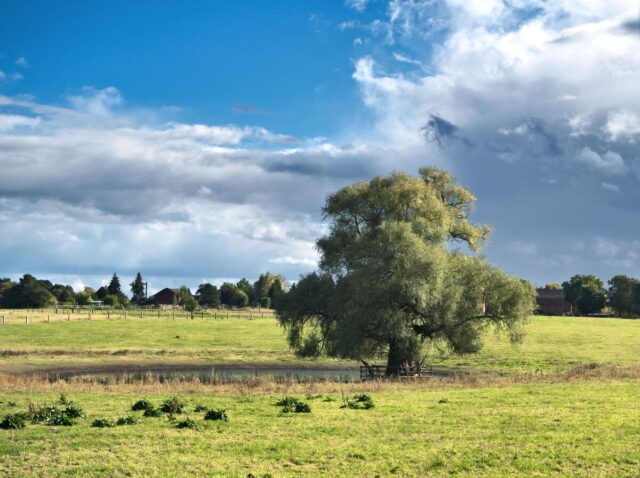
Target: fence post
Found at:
x=26, y=319
x=48, y=318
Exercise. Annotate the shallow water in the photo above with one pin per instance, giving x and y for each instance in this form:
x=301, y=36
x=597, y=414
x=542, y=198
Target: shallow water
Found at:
x=224, y=374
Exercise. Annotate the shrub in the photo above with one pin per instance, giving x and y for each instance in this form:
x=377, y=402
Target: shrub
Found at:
x=12, y=404
x=128, y=420
x=216, y=415
x=43, y=414
x=293, y=405
x=200, y=408
x=143, y=404
x=13, y=421
x=152, y=412
x=359, y=402
x=173, y=406
x=73, y=411
x=102, y=423
x=187, y=423
x=60, y=419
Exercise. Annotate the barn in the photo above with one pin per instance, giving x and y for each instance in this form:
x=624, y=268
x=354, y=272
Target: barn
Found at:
x=166, y=296
x=552, y=302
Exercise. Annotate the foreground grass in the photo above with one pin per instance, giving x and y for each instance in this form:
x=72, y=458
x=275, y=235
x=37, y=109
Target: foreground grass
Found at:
x=552, y=343
x=577, y=429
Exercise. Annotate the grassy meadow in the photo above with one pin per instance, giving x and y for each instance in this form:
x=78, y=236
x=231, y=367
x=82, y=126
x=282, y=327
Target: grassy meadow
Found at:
x=563, y=403
x=576, y=429
x=552, y=343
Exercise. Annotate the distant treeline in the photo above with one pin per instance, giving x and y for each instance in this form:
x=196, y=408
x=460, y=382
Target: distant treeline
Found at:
x=30, y=292
x=589, y=295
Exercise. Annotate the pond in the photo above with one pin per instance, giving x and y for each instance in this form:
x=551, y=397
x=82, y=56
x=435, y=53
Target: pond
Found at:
x=214, y=375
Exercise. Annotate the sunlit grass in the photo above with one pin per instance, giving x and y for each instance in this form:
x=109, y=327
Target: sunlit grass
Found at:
x=581, y=429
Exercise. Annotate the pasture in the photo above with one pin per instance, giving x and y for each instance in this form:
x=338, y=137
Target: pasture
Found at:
x=563, y=403
x=576, y=429
x=551, y=343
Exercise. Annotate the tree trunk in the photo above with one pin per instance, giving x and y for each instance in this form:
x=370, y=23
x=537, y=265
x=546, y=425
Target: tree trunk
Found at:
x=395, y=360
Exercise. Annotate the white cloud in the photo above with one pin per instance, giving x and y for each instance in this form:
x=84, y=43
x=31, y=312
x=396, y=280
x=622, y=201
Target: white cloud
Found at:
x=609, y=163
x=622, y=124
x=610, y=187
x=98, y=102
x=359, y=5
x=22, y=61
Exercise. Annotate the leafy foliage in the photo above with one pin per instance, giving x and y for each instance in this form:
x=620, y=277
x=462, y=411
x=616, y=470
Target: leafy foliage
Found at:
x=173, y=406
x=102, y=423
x=390, y=282
x=13, y=421
x=152, y=412
x=624, y=295
x=586, y=292
x=128, y=420
x=359, y=402
x=293, y=405
x=200, y=408
x=143, y=404
x=218, y=414
x=187, y=423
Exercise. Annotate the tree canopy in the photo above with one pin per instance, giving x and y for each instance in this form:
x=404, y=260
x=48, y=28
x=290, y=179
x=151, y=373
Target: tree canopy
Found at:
x=391, y=280
x=137, y=289
x=586, y=292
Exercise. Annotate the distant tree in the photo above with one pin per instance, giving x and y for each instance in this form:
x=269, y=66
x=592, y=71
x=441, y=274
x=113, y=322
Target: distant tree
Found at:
x=137, y=289
x=226, y=292
x=239, y=298
x=268, y=285
x=586, y=292
x=82, y=298
x=265, y=302
x=187, y=300
x=552, y=286
x=208, y=295
x=114, y=286
x=102, y=292
x=28, y=293
x=91, y=291
x=63, y=293
x=624, y=295
x=111, y=300
x=5, y=284
x=245, y=286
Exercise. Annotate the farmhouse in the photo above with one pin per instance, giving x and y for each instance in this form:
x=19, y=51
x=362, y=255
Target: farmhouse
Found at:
x=166, y=297
x=552, y=302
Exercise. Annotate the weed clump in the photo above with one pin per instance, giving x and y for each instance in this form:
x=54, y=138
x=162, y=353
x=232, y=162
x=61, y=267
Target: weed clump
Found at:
x=200, y=408
x=102, y=423
x=173, y=406
x=13, y=421
x=128, y=420
x=152, y=412
x=53, y=415
x=359, y=402
x=293, y=405
x=143, y=404
x=73, y=411
x=216, y=415
x=187, y=423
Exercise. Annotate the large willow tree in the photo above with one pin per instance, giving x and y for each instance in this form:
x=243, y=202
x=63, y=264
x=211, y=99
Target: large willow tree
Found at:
x=400, y=274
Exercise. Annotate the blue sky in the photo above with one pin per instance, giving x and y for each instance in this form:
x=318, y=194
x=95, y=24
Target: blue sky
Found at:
x=196, y=141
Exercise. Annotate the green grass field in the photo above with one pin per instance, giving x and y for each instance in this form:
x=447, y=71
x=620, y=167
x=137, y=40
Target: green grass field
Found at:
x=577, y=430
x=492, y=424
x=551, y=343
